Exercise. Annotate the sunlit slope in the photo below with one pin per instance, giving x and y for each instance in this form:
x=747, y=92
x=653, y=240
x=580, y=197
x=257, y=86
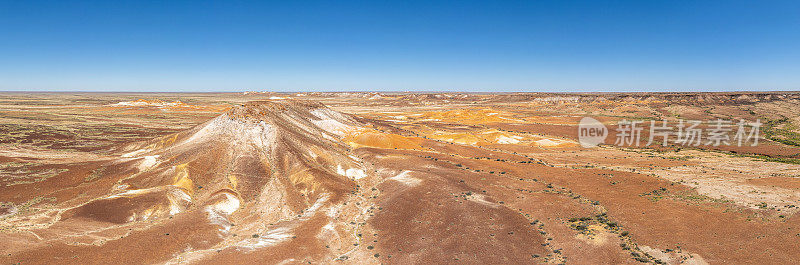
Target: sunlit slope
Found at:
x=258, y=164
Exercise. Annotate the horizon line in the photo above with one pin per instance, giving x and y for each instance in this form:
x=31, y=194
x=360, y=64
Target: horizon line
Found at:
x=406, y=91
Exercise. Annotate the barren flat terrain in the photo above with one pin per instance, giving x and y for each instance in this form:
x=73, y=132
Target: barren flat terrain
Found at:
x=395, y=178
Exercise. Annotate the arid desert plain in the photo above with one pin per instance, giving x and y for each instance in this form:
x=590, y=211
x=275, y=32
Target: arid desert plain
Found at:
x=397, y=178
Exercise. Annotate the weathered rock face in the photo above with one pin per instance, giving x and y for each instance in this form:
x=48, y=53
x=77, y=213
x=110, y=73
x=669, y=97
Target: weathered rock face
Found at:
x=251, y=154
x=258, y=164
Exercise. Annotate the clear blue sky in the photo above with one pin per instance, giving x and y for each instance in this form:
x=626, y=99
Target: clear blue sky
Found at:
x=399, y=45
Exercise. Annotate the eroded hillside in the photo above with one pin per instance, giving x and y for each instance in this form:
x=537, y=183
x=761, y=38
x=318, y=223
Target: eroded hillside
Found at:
x=390, y=178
